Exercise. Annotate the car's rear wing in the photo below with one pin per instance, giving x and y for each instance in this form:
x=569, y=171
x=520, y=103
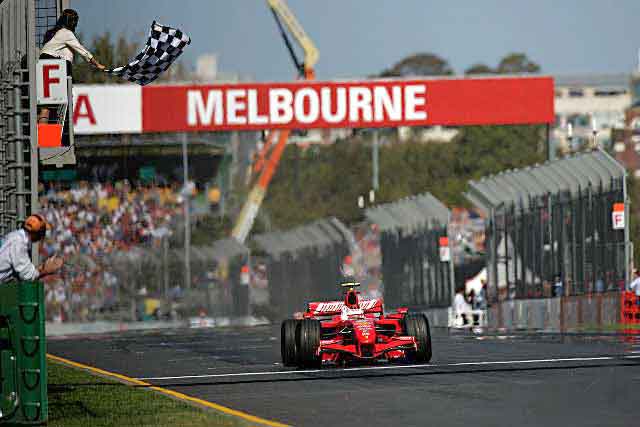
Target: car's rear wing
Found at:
x=332, y=308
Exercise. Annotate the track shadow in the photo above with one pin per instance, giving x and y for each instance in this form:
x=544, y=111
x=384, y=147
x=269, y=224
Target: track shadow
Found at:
x=321, y=376
x=334, y=375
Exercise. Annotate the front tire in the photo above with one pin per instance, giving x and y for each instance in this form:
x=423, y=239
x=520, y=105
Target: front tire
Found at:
x=288, y=347
x=308, y=341
x=417, y=325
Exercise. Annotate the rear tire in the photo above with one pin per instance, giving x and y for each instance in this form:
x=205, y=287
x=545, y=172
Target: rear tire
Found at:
x=308, y=341
x=288, y=347
x=417, y=325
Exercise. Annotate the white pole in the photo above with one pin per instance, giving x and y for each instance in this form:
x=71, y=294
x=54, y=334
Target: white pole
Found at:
x=375, y=160
x=569, y=136
x=187, y=216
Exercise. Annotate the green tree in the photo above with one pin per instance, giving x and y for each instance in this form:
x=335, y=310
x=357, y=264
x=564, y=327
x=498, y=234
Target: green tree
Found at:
x=207, y=229
x=515, y=63
x=420, y=64
x=330, y=178
x=486, y=150
x=479, y=69
x=125, y=51
x=633, y=191
x=104, y=51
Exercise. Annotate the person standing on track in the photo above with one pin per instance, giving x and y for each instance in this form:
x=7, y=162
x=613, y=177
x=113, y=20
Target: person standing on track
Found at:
x=60, y=42
x=634, y=286
x=15, y=263
x=462, y=308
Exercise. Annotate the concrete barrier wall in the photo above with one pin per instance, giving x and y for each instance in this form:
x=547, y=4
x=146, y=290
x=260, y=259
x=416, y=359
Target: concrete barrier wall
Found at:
x=62, y=329
x=438, y=317
x=546, y=314
x=556, y=314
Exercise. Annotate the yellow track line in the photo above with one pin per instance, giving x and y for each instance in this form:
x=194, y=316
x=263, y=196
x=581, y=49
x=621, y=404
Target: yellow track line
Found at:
x=171, y=393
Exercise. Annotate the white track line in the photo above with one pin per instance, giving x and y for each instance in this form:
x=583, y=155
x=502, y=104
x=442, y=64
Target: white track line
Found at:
x=378, y=368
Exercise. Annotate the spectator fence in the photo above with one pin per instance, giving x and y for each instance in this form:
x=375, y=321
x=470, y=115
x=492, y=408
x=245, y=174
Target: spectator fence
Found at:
x=417, y=267
x=551, y=228
x=304, y=263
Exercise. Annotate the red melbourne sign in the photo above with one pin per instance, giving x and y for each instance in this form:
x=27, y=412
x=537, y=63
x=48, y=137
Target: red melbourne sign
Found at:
x=354, y=104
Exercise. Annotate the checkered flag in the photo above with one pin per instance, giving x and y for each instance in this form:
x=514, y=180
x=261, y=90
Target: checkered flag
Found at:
x=164, y=45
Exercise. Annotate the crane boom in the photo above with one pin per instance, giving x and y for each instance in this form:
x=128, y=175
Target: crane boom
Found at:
x=247, y=216
x=311, y=54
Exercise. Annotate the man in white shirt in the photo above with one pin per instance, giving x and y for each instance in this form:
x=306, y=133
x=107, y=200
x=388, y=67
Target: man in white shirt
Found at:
x=634, y=286
x=461, y=308
x=15, y=263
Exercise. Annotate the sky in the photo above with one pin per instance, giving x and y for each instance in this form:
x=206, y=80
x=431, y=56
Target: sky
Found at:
x=357, y=38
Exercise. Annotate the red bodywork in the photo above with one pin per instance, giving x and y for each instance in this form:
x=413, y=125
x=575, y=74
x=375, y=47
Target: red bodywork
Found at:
x=369, y=335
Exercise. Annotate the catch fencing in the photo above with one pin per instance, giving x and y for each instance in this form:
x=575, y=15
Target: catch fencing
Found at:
x=18, y=156
x=304, y=264
x=551, y=228
x=148, y=284
x=417, y=268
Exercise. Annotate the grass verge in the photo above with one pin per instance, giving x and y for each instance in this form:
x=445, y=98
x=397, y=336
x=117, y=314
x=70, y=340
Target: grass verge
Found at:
x=79, y=399
x=614, y=327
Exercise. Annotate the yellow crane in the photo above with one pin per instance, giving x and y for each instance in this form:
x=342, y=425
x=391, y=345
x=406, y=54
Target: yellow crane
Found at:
x=269, y=159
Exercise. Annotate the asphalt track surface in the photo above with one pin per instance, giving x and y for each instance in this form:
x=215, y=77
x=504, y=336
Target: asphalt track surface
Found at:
x=483, y=379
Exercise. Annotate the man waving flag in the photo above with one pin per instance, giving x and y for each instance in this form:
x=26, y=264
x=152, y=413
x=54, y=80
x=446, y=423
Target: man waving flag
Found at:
x=164, y=45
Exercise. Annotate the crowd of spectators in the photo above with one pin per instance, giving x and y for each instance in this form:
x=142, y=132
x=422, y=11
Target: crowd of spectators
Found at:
x=90, y=221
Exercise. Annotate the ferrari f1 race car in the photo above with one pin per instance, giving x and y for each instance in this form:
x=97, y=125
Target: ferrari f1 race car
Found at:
x=354, y=330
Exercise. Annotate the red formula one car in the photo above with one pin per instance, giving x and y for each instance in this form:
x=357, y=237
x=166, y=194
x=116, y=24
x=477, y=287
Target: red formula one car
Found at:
x=354, y=330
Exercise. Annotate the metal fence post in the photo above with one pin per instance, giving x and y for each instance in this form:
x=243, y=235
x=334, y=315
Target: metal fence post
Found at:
x=33, y=132
x=627, y=239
